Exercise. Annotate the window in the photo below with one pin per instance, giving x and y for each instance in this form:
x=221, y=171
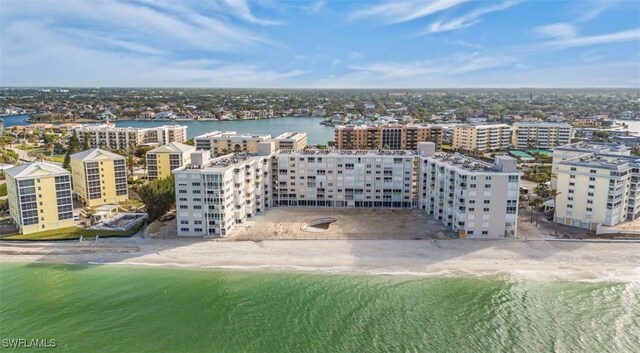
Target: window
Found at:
x=184, y=207
x=184, y=229
x=486, y=202
x=486, y=209
x=589, y=209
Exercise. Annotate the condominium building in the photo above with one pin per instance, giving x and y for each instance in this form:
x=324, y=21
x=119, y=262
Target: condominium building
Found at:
x=481, y=137
x=109, y=136
x=597, y=187
x=473, y=197
x=224, y=142
x=99, y=177
x=39, y=196
x=393, y=137
x=345, y=178
x=584, y=183
x=540, y=134
x=578, y=149
x=291, y=141
x=213, y=195
x=162, y=160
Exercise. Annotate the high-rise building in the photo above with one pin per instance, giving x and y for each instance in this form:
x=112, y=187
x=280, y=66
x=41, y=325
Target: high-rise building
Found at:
x=99, y=177
x=392, y=137
x=473, y=197
x=224, y=142
x=39, y=197
x=109, y=136
x=540, y=134
x=213, y=195
x=597, y=185
x=291, y=141
x=162, y=160
x=482, y=137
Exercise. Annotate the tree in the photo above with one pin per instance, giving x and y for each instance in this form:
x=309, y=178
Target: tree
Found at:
x=535, y=205
x=554, y=193
x=85, y=142
x=190, y=142
x=159, y=197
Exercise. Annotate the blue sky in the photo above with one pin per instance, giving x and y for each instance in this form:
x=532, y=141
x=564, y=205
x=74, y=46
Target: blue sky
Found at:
x=324, y=44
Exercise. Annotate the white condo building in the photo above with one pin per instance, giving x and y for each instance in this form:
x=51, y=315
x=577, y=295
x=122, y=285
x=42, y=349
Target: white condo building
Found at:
x=541, y=134
x=472, y=197
x=223, y=142
x=597, y=186
x=213, y=195
x=109, y=136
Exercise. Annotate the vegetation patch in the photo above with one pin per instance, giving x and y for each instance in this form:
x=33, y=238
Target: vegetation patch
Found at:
x=70, y=233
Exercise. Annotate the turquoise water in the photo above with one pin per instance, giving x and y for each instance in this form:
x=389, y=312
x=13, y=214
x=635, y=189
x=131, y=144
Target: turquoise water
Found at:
x=117, y=309
x=316, y=133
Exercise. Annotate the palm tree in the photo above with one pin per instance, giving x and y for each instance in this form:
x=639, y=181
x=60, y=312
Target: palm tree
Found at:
x=535, y=205
x=554, y=193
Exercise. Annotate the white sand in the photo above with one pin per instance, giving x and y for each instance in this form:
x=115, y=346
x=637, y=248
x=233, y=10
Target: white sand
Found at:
x=531, y=260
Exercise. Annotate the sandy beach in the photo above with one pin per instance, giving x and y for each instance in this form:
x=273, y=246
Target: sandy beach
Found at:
x=505, y=259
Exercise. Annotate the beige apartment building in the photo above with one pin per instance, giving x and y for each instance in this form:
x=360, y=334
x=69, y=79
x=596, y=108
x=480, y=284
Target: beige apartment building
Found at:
x=291, y=141
x=482, y=137
x=393, y=137
x=99, y=177
x=597, y=188
x=540, y=134
x=162, y=160
x=223, y=142
x=109, y=136
x=39, y=196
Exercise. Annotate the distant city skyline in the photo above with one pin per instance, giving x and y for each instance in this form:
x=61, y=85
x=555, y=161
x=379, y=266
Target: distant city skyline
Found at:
x=320, y=44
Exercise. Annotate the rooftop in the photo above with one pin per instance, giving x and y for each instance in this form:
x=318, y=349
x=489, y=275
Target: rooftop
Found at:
x=310, y=152
x=223, y=162
x=291, y=135
x=173, y=147
x=232, y=134
x=466, y=163
x=606, y=161
x=541, y=123
x=95, y=153
x=593, y=147
x=34, y=169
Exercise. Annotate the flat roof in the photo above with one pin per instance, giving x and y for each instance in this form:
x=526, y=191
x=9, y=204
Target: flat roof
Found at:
x=354, y=153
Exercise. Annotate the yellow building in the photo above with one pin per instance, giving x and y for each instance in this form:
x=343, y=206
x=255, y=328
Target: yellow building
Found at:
x=99, y=177
x=162, y=160
x=291, y=141
x=482, y=137
x=394, y=137
x=39, y=197
x=224, y=142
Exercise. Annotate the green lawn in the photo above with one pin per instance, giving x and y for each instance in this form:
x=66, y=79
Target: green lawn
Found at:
x=70, y=233
x=3, y=189
x=25, y=147
x=58, y=159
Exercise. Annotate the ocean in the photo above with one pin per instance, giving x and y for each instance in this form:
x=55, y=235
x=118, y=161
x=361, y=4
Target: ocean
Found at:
x=316, y=133
x=91, y=308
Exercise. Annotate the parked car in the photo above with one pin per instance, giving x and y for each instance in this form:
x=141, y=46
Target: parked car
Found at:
x=524, y=190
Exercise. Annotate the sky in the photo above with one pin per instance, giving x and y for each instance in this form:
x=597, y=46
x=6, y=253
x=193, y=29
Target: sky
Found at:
x=320, y=44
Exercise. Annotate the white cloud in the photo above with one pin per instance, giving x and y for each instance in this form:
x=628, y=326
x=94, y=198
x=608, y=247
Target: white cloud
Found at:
x=611, y=74
x=242, y=10
x=469, y=19
x=581, y=41
x=557, y=30
x=593, y=9
x=62, y=62
x=404, y=11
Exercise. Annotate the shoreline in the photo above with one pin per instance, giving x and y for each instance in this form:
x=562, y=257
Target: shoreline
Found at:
x=493, y=259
